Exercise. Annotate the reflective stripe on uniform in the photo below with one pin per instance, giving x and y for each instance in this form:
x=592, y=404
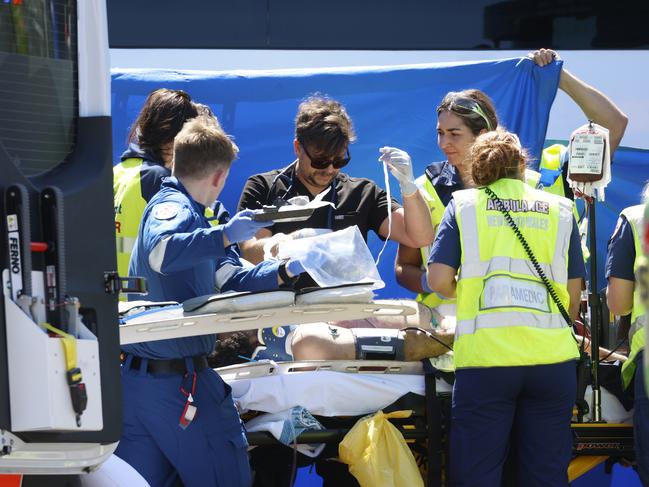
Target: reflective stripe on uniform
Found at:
x=474, y=266
x=224, y=273
x=504, y=319
x=637, y=325
x=157, y=255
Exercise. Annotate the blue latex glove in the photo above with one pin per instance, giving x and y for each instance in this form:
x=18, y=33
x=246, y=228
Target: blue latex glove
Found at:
x=294, y=267
x=242, y=227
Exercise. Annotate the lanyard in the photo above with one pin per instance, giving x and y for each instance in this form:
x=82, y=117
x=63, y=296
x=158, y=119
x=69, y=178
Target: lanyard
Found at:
x=333, y=196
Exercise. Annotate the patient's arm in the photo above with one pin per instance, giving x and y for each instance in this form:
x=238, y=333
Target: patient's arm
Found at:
x=326, y=342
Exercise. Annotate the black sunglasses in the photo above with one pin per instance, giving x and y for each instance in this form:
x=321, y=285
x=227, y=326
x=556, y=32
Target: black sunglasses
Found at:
x=323, y=162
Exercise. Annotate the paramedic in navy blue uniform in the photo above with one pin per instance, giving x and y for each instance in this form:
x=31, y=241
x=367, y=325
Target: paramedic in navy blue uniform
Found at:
x=182, y=256
x=323, y=132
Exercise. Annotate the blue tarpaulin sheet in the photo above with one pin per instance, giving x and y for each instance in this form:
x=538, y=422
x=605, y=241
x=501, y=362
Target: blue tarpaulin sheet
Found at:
x=389, y=106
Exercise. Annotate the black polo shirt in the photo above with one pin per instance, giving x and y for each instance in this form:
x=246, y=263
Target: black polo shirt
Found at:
x=358, y=201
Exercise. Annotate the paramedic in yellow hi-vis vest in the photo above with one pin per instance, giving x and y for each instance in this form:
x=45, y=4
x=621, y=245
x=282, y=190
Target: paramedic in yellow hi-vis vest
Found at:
x=514, y=350
x=623, y=296
x=145, y=163
x=461, y=118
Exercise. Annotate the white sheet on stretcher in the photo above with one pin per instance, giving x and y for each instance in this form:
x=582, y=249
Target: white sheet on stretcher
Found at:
x=326, y=393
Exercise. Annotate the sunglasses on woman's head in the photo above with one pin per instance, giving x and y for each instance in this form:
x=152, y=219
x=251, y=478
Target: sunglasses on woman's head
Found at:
x=324, y=162
x=468, y=105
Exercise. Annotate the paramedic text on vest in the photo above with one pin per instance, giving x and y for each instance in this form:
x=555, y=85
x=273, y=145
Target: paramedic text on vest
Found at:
x=514, y=352
x=623, y=296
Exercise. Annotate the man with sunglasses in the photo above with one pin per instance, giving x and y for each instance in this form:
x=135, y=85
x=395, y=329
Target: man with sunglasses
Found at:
x=323, y=132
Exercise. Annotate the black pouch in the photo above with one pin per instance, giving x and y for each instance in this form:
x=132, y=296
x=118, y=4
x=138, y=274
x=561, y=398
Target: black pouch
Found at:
x=583, y=379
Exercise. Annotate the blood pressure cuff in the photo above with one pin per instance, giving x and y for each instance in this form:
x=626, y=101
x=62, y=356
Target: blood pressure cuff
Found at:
x=378, y=344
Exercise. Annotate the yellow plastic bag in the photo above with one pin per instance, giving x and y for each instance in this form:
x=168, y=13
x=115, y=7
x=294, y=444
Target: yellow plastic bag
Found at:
x=377, y=454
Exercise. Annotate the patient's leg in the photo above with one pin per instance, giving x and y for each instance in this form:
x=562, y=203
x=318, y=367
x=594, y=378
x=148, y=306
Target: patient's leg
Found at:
x=326, y=342
x=321, y=341
x=419, y=345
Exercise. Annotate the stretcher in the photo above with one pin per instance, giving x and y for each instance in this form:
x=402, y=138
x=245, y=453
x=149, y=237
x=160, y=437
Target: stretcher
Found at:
x=143, y=321
x=267, y=387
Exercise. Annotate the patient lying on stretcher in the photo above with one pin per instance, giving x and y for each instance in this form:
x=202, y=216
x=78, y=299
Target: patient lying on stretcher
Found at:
x=406, y=338
x=372, y=339
x=329, y=342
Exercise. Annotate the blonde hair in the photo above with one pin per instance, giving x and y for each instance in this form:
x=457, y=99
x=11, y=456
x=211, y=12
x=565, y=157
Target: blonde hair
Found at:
x=202, y=147
x=495, y=155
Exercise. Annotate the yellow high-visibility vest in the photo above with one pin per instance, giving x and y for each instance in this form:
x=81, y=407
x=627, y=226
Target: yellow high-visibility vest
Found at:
x=551, y=162
x=505, y=315
x=634, y=215
x=437, y=212
x=129, y=207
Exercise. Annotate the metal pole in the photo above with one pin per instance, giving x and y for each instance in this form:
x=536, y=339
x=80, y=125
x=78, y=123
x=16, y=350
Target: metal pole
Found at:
x=595, y=314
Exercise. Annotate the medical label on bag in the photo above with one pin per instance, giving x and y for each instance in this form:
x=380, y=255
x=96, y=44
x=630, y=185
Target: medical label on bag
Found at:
x=587, y=153
x=502, y=291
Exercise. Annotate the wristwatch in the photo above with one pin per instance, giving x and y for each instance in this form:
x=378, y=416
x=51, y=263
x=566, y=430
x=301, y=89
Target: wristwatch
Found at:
x=287, y=281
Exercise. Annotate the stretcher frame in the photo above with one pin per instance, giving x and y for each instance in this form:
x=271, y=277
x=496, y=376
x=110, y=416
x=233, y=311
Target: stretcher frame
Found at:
x=144, y=329
x=597, y=440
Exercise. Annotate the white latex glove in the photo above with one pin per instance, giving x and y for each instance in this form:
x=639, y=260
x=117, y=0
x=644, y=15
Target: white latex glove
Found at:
x=400, y=166
x=272, y=244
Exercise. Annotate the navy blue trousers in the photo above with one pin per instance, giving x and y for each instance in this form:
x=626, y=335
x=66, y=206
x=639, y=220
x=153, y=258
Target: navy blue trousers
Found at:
x=210, y=452
x=641, y=422
x=531, y=406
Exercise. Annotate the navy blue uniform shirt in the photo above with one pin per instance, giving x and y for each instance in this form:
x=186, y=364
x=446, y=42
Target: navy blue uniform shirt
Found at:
x=180, y=254
x=152, y=172
x=621, y=251
x=445, y=179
